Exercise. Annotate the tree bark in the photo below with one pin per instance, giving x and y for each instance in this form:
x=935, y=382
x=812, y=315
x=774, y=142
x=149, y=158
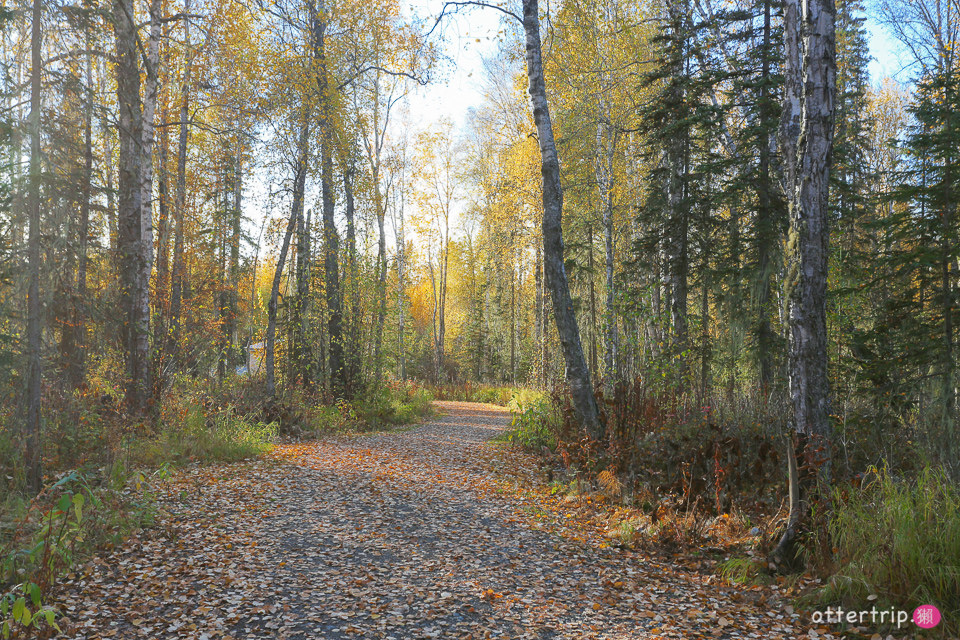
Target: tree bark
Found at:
x=235, y=238
x=151, y=89
x=790, y=118
x=610, y=358
x=766, y=231
x=352, y=285
x=577, y=373
x=34, y=338
x=299, y=351
x=134, y=257
x=806, y=284
x=401, y=296
x=381, y=280
x=77, y=358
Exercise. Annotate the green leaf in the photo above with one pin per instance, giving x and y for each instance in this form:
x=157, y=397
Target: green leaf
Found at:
x=27, y=617
x=4, y=606
x=78, y=506
x=50, y=616
x=6, y=630
x=64, y=503
x=34, y=592
x=18, y=608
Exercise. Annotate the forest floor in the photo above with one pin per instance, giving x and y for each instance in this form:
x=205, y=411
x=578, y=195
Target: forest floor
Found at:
x=430, y=532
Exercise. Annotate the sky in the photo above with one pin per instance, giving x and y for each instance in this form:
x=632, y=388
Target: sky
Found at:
x=469, y=36
x=461, y=76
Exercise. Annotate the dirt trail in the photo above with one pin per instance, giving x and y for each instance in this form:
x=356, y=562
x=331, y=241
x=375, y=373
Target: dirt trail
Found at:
x=413, y=534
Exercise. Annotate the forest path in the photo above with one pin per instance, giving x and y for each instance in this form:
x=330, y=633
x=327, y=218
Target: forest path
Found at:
x=413, y=534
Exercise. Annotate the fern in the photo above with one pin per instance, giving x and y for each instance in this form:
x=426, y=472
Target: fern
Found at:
x=610, y=484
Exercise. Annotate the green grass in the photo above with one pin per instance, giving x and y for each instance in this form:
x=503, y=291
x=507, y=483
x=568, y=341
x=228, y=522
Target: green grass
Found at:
x=898, y=540
x=200, y=435
x=747, y=571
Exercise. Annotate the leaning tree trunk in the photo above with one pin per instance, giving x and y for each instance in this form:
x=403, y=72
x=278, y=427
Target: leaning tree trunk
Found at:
x=578, y=375
x=34, y=373
x=135, y=293
x=806, y=284
x=296, y=210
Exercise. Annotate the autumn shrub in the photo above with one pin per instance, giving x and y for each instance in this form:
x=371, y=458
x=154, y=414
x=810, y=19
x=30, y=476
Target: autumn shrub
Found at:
x=680, y=448
x=896, y=539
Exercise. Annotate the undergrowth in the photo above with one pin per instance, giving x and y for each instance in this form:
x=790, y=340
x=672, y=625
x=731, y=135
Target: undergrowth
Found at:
x=693, y=474
x=73, y=518
x=896, y=540
x=478, y=392
x=534, y=422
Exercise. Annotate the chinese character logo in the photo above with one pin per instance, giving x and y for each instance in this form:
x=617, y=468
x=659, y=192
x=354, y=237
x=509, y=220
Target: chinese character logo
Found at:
x=926, y=616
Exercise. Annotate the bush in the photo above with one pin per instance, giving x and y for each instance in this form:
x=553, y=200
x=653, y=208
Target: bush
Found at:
x=534, y=422
x=898, y=540
x=197, y=434
x=395, y=403
x=473, y=392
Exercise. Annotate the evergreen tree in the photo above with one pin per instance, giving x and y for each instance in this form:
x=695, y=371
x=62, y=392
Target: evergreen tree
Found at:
x=926, y=227
x=752, y=196
x=682, y=129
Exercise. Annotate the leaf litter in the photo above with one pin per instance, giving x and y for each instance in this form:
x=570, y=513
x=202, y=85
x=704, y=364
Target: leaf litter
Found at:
x=434, y=532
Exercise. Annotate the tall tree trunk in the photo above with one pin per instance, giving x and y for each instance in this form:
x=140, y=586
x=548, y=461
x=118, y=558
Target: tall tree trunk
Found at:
x=299, y=349
x=593, y=300
x=806, y=282
x=299, y=179
x=331, y=238
x=677, y=247
x=162, y=286
x=112, y=231
x=150, y=92
x=179, y=270
x=77, y=358
x=577, y=373
x=401, y=297
x=610, y=358
x=513, y=324
x=538, y=316
x=135, y=292
x=381, y=279
x=235, y=237
x=442, y=303
x=352, y=285
x=766, y=229
x=790, y=117
x=34, y=371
